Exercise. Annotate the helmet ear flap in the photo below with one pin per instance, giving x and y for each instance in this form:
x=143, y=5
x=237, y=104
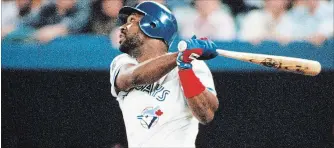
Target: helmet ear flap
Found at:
x=153, y=25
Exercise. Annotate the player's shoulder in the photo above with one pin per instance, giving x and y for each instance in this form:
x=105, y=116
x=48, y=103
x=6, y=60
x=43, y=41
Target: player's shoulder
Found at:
x=121, y=60
x=122, y=56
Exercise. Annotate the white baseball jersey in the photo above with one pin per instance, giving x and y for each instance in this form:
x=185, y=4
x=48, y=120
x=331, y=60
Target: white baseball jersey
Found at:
x=157, y=115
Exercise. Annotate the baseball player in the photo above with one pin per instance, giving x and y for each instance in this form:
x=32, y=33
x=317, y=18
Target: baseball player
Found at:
x=163, y=96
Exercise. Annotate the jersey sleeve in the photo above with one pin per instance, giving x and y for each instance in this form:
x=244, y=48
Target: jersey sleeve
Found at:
x=115, y=66
x=203, y=72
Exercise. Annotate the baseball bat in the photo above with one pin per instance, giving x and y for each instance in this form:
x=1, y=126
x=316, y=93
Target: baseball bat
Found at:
x=289, y=64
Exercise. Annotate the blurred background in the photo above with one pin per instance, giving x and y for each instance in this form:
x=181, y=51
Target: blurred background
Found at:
x=55, y=57
x=253, y=21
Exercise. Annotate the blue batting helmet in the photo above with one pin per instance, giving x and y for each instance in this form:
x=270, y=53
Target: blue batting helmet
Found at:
x=157, y=22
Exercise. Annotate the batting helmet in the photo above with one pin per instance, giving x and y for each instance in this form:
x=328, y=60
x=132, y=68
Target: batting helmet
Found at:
x=157, y=22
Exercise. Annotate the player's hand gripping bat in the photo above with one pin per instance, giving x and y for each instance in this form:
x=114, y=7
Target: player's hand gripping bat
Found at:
x=289, y=64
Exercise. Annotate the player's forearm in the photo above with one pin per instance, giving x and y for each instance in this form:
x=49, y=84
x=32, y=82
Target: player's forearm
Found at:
x=149, y=71
x=201, y=101
x=203, y=106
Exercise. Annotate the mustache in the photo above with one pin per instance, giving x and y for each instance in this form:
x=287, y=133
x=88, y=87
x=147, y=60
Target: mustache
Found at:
x=122, y=34
x=122, y=31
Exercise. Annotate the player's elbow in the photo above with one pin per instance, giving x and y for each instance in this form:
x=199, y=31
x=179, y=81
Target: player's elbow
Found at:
x=123, y=85
x=207, y=118
x=133, y=80
x=215, y=105
x=209, y=115
x=138, y=79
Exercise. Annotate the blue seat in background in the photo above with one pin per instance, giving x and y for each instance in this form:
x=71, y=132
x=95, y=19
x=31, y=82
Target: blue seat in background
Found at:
x=92, y=52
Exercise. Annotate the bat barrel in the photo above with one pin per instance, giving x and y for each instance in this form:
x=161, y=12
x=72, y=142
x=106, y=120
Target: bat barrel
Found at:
x=290, y=64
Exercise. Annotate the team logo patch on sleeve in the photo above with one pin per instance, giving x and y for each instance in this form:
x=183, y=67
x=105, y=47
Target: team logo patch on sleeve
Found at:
x=150, y=117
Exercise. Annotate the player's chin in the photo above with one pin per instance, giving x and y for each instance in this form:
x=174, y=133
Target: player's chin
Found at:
x=123, y=48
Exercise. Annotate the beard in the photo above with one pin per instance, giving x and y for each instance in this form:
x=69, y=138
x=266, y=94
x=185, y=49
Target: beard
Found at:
x=131, y=45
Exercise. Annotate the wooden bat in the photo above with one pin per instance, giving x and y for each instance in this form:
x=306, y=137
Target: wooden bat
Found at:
x=289, y=64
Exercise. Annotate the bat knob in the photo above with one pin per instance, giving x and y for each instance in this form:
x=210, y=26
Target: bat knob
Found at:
x=182, y=46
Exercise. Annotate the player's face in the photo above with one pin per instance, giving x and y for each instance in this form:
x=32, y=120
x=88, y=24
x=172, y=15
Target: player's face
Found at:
x=131, y=36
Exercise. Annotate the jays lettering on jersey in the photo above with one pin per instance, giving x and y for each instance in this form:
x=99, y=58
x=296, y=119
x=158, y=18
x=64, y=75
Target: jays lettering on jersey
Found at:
x=157, y=115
